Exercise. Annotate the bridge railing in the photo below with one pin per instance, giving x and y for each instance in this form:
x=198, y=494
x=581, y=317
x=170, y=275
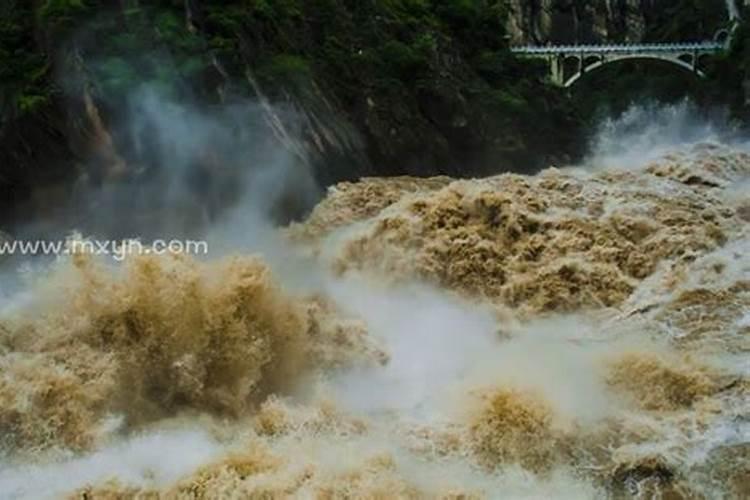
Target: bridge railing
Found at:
x=621, y=48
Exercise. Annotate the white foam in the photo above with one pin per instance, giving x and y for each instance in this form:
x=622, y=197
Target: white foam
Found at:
x=150, y=460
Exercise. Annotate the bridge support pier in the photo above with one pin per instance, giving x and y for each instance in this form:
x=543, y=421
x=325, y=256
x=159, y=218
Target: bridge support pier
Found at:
x=557, y=69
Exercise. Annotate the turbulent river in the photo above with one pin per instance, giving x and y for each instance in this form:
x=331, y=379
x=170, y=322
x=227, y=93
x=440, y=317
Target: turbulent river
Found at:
x=579, y=333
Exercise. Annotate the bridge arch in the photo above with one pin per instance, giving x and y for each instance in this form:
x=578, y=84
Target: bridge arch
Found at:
x=686, y=55
x=606, y=61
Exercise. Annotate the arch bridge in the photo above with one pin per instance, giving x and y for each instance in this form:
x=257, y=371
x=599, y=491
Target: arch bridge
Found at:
x=568, y=63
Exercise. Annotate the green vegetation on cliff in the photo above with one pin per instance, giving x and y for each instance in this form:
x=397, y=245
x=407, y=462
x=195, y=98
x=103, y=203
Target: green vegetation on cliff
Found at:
x=428, y=85
x=24, y=69
x=687, y=20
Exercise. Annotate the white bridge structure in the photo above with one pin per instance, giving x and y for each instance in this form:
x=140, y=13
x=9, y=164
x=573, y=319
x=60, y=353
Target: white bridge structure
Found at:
x=586, y=58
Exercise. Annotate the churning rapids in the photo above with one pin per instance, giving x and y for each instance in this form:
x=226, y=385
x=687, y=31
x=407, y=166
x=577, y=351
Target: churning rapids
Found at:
x=578, y=333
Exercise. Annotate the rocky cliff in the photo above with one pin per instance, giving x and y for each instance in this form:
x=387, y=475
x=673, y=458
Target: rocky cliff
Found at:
x=398, y=87
x=579, y=21
x=383, y=87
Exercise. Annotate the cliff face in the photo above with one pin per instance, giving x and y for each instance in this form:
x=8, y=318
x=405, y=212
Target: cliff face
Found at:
x=376, y=88
x=595, y=21
x=350, y=89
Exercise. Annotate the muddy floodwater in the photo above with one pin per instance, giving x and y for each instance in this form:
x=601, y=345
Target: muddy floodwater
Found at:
x=578, y=333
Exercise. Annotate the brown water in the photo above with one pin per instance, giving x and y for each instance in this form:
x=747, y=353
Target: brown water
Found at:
x=579, y=333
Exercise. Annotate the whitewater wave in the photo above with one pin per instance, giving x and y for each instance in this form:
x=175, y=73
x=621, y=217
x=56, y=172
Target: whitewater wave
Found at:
x=579, y=333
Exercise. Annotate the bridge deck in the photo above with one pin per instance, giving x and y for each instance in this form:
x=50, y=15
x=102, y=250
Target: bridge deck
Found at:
x=619, y=48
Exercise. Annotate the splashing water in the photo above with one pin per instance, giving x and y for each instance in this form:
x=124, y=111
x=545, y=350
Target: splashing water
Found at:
x=580, y=333
x=644, y=133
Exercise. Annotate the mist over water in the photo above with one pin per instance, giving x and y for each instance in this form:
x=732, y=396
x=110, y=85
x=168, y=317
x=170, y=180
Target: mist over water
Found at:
x=135, y=461
x=647, y=131
x=176, y=168
x=573, y=334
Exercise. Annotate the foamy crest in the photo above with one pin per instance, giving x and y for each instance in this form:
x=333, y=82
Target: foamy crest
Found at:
x=152, y=460
x=573, y=334
x=645, y=132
